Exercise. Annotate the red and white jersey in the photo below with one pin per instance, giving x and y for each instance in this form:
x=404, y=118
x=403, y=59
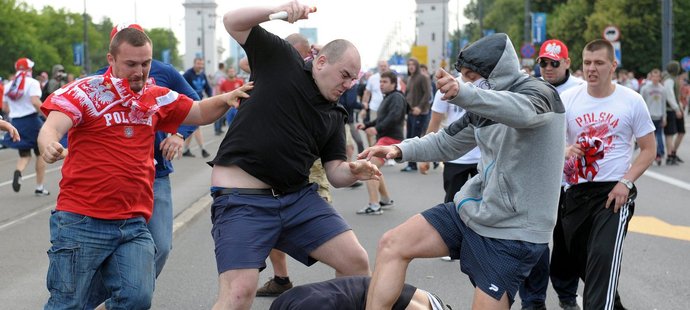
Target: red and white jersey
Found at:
x=605, y=128
x=109, y=171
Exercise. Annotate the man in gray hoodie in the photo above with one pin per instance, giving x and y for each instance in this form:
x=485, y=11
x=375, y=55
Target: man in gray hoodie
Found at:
x=501, y=220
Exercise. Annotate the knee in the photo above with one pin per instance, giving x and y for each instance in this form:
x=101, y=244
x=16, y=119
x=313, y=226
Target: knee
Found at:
x=138, y=299
x=389, y=246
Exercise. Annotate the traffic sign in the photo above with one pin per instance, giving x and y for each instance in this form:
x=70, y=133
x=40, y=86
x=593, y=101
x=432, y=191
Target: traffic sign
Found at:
x=685, y=63
x=612, y=33
x=527, y=50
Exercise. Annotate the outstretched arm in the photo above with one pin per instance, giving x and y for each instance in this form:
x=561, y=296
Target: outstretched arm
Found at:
x=210, y=109
x=239, y=22
x=341, y=173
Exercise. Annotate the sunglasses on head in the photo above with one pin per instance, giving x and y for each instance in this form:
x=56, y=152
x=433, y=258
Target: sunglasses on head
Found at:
x=543, y=63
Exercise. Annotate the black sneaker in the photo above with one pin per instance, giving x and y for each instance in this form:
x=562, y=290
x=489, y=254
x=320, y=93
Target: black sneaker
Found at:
x=678, y=160
x=204, y=154
x=569, y=305
x=386, y=205
x=272, y=288
x=671, y=160
x=408, y=169
x=188, y=153
x=17, y=181
x=41, y=192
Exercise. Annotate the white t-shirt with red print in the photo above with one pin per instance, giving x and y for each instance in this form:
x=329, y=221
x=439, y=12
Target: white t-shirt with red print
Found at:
x=109, y=171
x=604, y=128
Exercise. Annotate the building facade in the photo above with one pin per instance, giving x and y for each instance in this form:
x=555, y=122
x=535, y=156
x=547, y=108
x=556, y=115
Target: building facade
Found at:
x=200, y=33
x=432, y=32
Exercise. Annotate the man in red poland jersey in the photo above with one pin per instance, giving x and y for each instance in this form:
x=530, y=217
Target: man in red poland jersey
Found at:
x=106, y=195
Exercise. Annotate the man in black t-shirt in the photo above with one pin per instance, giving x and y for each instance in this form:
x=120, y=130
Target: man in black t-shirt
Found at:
x=262, y=198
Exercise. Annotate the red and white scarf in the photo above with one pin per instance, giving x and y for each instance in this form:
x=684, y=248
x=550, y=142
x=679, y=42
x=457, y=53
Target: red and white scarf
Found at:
x=17, y=88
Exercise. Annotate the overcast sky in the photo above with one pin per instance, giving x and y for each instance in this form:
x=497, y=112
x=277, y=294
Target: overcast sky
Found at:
x=366, y=23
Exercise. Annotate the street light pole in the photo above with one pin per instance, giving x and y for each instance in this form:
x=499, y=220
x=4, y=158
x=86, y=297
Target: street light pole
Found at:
x=528, y=23
x=666, y=32
x=87, y=63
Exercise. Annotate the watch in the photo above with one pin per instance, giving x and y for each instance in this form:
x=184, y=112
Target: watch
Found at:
x=179, y=135
x=629, y=184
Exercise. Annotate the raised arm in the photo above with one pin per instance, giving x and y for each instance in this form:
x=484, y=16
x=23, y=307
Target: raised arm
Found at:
x=239, y=22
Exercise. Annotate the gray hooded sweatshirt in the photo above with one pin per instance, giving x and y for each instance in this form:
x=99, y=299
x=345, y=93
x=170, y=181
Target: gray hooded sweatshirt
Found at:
x=519, y=126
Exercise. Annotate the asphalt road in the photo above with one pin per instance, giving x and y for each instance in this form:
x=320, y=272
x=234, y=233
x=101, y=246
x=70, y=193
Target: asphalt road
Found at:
x=655, y=272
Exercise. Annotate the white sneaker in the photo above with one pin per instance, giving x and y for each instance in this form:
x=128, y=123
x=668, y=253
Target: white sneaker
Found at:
x=447, y=259
x=368, y=210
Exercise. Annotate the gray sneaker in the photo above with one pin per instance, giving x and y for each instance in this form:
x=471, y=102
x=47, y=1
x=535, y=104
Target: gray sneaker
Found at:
x=370, y=210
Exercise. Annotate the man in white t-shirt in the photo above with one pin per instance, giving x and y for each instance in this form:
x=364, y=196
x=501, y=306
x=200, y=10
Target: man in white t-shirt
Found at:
x=602, y=119
x=22, y=99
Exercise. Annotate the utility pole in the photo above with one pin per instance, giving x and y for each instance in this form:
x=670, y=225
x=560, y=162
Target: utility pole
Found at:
x=666, y=32
x=526, y=37
x=481, y=18
x=87, y=62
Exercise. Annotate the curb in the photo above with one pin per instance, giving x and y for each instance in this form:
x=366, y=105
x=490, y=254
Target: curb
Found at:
x=185, y=217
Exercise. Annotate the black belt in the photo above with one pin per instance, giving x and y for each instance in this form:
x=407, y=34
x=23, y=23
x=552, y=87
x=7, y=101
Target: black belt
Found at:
x=246, y=191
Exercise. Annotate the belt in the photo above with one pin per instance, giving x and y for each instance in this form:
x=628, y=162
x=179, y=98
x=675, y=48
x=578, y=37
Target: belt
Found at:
x=246, y=191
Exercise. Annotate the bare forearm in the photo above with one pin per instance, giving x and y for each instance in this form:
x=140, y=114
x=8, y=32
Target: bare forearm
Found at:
x=212, y=109
x=641, y=163
x=340, y=175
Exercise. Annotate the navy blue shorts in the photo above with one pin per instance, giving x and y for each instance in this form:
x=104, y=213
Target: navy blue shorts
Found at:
x=28, y=127
x=247, y=227
x=496, y=266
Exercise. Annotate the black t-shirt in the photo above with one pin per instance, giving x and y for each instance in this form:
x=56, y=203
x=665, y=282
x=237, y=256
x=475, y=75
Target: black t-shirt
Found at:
x=286, y=124
x=344, y=293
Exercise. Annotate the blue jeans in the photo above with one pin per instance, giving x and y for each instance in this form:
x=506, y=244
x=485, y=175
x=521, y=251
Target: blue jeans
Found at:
x=659, y=134
x=120, y=250
x=161, y=221
x=160, y=226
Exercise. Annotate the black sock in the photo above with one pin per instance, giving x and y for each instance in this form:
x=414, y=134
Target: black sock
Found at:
x=281, y=280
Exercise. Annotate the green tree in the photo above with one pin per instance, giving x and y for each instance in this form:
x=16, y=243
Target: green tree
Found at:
x=164, y=39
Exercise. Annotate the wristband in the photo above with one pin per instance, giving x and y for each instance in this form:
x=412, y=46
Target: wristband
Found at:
x=179, y=135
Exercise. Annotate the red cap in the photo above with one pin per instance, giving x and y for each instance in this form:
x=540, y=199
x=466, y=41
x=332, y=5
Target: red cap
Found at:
x=23, y=64
x=553, y=49
x=119, y=27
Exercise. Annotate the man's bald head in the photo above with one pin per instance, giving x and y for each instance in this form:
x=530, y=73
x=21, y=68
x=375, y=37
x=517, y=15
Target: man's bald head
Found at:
x=300, y=43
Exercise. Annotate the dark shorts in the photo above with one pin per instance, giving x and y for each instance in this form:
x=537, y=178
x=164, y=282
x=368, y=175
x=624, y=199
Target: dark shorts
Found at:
x=673, y=124
x=247, y=227
x=28, y=128
x=495, y=266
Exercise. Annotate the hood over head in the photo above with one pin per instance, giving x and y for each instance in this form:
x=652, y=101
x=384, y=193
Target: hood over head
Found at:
x=57, y=68
x=494, y=58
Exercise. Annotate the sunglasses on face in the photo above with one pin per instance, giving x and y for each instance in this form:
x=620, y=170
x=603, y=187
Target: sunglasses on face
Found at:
x=543, y=63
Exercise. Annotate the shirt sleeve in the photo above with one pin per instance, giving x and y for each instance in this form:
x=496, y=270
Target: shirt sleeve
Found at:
x=172, y=114
x=63, y=104
x=35, y=89
x=643, y=124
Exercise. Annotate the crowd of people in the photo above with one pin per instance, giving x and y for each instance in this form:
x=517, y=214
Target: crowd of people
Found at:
x=489, y=126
